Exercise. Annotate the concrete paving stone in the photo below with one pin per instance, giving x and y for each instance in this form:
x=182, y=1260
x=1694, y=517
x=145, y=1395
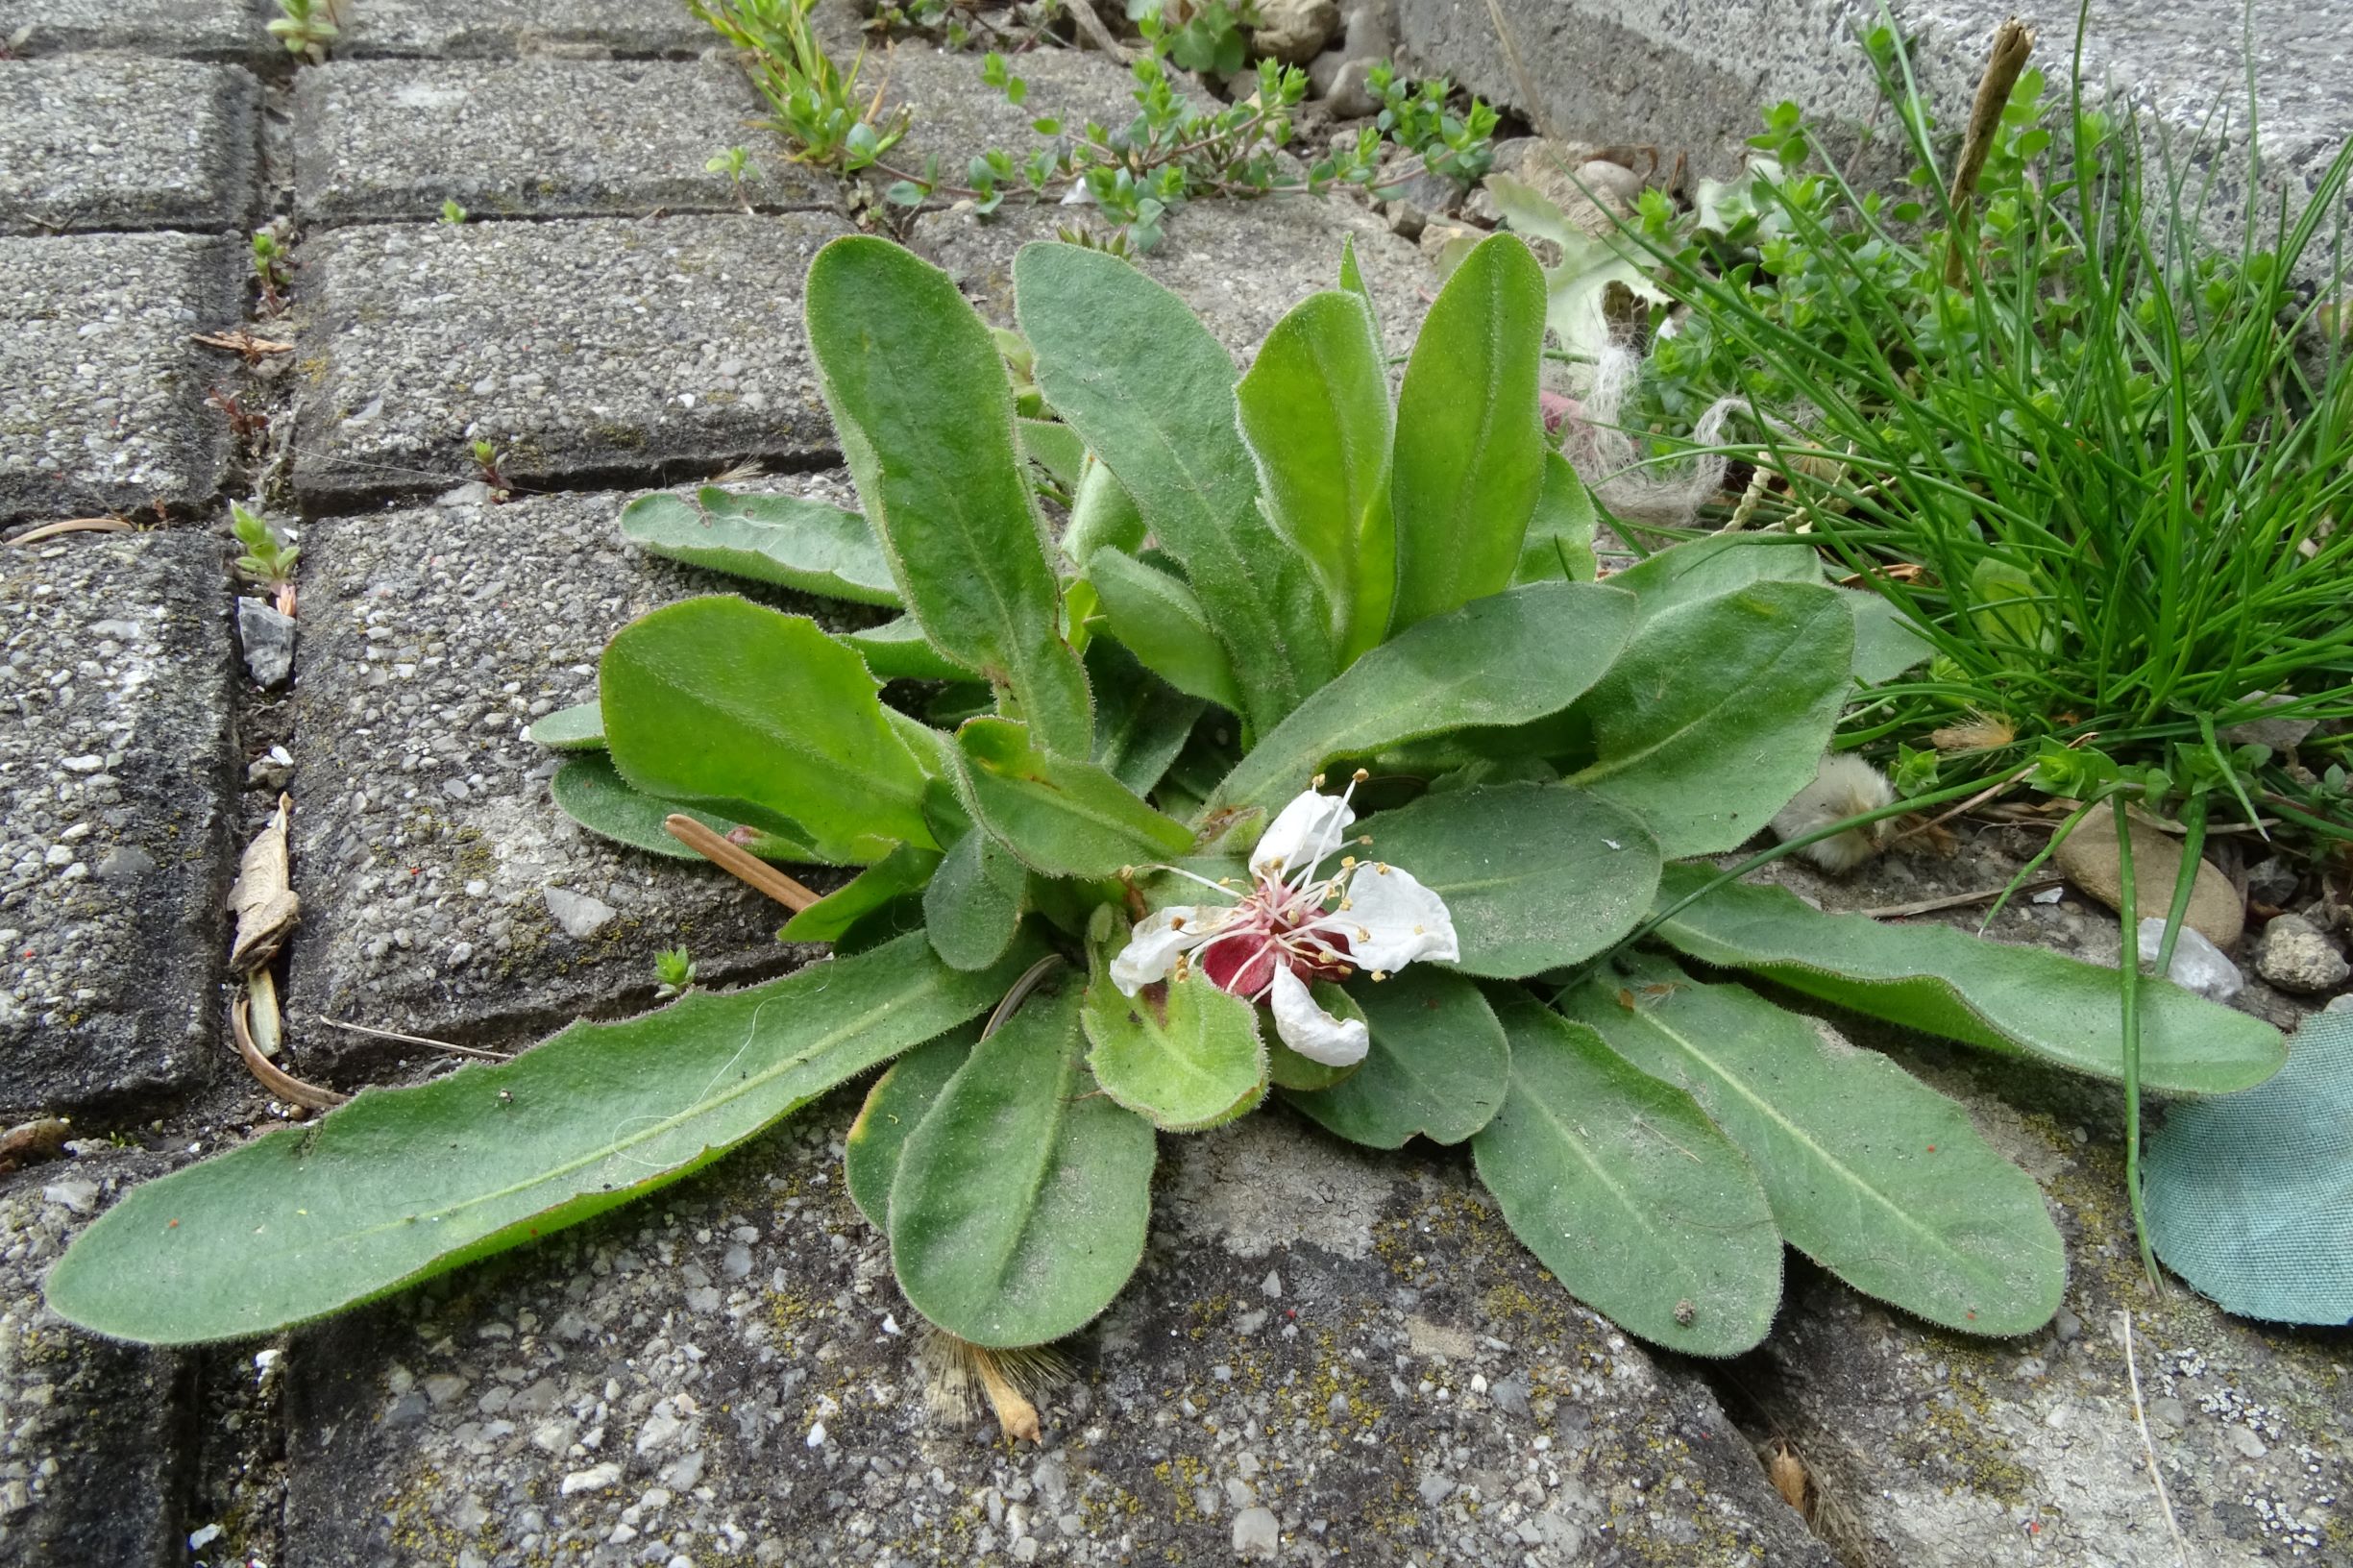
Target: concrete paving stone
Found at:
x=97, y=1444
x=436, y=873
x=956, y=116
x=101, y=392
x=599, y=349
x=113, y=142
x=114, y=681
x=380, y=139
x=1240, y=264
x=196, y=29
x=493, y=29
x=728, y=1374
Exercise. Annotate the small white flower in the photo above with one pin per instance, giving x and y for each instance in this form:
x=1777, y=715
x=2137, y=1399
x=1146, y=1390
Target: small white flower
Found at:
x=1293, y=927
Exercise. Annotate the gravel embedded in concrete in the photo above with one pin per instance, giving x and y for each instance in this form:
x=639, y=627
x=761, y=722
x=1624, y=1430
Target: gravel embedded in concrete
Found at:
x=89, y=1473
x=125, y=144
x=957, y=116
x=194, y=29
x=601, y=348
x=499, y=29
x=380, y=140
x=1241, y=265
x=443, y=889
x=101, y=392
x=113, y=753
x=729, y=1373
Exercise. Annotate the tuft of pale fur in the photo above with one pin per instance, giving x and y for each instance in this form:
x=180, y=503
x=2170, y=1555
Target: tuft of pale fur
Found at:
x=1981, y=732
x=960, y=1377
x=1844, y=786
x=1605, y=457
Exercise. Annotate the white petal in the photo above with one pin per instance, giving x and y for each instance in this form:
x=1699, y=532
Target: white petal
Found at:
x=1153, y=946
x=1312, y=823
x=1392, y=920
x=1310, y=1030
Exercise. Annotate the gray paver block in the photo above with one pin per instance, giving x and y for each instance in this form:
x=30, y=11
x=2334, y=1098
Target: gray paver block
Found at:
x=957, y=116
x=96, y=1454
x=125, y=144
x=540, y=137
x=200, y=29
x=1241, y=265
x=589, y=349
x=475, y=29
x=113, y=814
x=101, y=392
x=426, y=840
x=728, y=1372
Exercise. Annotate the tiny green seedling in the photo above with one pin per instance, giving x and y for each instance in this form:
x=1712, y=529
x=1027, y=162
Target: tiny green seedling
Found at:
x=486, y=464
x=451, y=213
x=673, y=971
x=269, y=560
x=271, y=270
x=308, y=28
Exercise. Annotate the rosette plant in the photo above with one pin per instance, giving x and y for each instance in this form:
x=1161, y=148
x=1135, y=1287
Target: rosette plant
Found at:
x=1305, y=765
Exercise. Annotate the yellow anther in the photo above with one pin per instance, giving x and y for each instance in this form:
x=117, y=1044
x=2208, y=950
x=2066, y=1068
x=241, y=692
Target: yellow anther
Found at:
x=1359, y=776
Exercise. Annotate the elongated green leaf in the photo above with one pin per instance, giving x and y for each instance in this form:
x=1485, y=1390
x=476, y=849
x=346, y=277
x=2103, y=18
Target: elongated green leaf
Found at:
x=1560, y=533
x=925, y=417
x=1315, y=412
x=787, y=540
x=1163, y=422
x=404, y=1184
x=973, y=906
x=1720, y=710
x=1621, y=1186
x=760, y=718
x=1056, y=448
x=1438, y=1066
x=1720, y=564
x=1023, y=1197
x=1156, y=617
x=1536, y=876
x=903, y=871
x=1502, y=660
x=898, y=650
x=1352, y=278
x=594, y=795
x=1140, y=721
x=1102, y=514
x=1932, y=977
x=1064, y=817
x=1871, y=1173
x=1182, y=1055
x=579, y=727
x=893, y=1106
x=1470, y=438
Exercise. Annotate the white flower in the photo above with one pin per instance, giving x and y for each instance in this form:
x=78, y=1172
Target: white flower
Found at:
x=1293, y=927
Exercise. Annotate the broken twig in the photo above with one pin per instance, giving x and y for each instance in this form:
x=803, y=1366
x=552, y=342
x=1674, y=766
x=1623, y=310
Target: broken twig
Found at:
x=72, y=524
x=739, y=862
x=2012, y=45
x=415, y=1040
x=1954, y=900
x=2149, y=1448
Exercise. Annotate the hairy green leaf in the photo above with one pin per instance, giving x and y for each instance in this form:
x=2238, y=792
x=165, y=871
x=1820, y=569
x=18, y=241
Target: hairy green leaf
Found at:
x=1140, y=721
x=1315, y=412
x=594, y=795
x=1934, y=978
x=1535, y=876
x=1720, y=711
x=1885, y=645
x=1436, y=1066
x=404, y=1184
x=1163, y=422
x=1621, y=1186
x=786, y=540
x=925, y=417
x=898, y=650
x=1063, y=817
x=893, y=1106
x=903, y=871
x=1102, y=515
x=1502, y=660
x=1184, y=1055
x=973, y=906
x=1156, y=617
x=1720, y=564
x=1559, y=541
x=1056, y=448
x=762, y=717
x=1470, y=438
x=1023, y=1197
x=1871, y=1173
x=579, y=727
